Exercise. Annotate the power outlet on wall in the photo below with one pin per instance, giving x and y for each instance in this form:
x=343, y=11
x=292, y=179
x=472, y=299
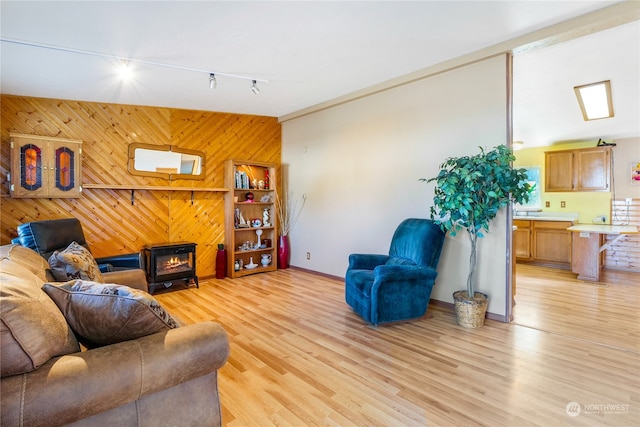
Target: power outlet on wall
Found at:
x=308, y=255
x=600, y=219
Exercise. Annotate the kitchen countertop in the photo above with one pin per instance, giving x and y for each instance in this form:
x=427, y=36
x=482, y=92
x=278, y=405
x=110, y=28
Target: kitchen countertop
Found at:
x=604, y=229
x=546, y=216
x=587, y=243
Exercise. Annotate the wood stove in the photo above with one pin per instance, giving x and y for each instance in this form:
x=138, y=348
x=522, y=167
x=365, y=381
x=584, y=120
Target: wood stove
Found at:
x=169, y=262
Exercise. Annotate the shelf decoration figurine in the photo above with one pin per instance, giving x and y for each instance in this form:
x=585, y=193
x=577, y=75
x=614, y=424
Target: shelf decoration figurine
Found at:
x=266, y=259
x=240, y=221
x=251, y=265
x=259, y=244
x=265, y=218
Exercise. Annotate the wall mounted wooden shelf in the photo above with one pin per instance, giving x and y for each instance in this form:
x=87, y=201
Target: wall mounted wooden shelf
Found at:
x=152, y=188
x=133, y=189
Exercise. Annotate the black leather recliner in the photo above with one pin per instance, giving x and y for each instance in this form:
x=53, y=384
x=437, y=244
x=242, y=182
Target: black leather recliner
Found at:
x=46, y=237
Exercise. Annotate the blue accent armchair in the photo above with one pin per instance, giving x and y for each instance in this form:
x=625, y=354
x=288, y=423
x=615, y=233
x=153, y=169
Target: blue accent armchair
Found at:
x=394, y=287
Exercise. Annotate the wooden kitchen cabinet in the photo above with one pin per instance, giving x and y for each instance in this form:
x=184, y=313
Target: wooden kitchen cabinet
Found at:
x=558, y=174
x=543, y=242
x=593, y=169
x=522, y=240
x=586, y=169
x=551, y=242
x=45, y=167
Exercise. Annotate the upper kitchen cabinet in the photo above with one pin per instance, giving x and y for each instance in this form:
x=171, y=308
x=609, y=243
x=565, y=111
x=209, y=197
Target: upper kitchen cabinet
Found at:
x=45, y=167
x=586, y=169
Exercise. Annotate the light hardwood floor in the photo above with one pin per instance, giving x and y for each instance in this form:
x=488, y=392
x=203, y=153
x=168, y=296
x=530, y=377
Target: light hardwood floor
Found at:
x=301, y=357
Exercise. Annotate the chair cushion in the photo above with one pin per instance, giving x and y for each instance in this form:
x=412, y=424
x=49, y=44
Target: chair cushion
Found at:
x=32, y=328
x=102, y=314
x=399, y=261
x=75, y=262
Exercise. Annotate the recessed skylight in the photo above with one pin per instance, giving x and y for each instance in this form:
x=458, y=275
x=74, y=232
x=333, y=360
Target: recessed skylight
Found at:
x=595, y=100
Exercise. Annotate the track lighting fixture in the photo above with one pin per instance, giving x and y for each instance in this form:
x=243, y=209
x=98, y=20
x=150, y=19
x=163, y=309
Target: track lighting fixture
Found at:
x=254, y=88
x=125, y=63
x=124, y=71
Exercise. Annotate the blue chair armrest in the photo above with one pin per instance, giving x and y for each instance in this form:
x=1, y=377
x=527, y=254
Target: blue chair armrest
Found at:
x=366, y=261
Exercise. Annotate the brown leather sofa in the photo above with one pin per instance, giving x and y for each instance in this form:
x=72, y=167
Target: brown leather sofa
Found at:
x=168, y=378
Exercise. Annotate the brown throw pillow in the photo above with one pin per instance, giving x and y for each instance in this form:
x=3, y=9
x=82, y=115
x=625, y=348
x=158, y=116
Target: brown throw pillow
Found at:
x=102, y=314
x=75, y=262
x=32, y=329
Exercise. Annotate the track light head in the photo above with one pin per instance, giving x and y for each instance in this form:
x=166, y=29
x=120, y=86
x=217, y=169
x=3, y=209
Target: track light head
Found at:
x=213, y=83
x=124, y=70
x=254, y=88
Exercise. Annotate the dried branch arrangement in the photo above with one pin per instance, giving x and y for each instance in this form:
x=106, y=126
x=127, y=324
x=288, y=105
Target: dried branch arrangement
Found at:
x=288, y=212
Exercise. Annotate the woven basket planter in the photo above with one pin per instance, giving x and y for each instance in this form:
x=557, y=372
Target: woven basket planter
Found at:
x=470, y=313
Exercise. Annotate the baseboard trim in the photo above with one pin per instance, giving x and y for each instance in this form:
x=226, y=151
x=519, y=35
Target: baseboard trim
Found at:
x=317, y=273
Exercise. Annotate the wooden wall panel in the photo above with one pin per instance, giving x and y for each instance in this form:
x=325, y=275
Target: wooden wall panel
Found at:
x=205, y=227
x=113, y=224
x=223, y=136
x=625, y=253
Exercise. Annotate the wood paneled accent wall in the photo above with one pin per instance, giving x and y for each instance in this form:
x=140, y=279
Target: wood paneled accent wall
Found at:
x=624, y=254
x=111, y=223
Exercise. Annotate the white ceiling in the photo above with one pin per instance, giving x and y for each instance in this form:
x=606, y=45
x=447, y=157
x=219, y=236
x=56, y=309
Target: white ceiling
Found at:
x=545, y=108
x=311, y=52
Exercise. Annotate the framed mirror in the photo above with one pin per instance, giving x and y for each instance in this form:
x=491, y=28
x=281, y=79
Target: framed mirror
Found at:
x=165, y=161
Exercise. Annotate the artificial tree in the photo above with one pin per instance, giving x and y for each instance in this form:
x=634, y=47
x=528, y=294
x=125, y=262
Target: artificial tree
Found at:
x=469, y=192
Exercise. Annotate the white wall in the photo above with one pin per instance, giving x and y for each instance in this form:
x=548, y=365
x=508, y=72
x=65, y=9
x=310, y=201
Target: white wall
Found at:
x=359, y=165
x=625, y=154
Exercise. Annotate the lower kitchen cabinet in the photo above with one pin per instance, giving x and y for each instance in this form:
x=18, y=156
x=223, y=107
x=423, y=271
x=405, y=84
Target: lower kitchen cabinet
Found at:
x=522, y=240
x=543, y=242
x=551, y=242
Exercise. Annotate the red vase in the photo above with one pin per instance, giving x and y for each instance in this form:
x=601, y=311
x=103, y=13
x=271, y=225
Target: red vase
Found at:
x=284, y=251
x=221, y=262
